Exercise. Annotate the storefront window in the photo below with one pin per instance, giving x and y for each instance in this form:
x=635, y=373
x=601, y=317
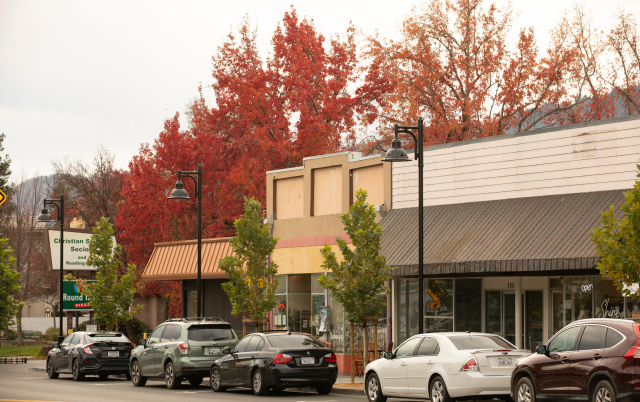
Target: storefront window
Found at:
x=610, y=302
x=407, y=299
x=438, y=307
x=578, y=298
x=468, y=305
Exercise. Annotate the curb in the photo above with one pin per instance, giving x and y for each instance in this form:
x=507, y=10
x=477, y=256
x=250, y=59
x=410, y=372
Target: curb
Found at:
x=348, y=391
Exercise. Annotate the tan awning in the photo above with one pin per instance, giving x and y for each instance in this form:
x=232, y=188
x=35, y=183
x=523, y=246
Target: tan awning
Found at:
x=179, y=260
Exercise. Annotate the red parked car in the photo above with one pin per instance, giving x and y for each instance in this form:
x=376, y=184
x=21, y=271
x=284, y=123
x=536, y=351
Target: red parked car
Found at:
x=588, y=360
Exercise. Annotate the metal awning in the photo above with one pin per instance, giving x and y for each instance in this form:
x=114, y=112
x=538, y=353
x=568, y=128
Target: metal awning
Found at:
x=179, y=260
x=548, y=233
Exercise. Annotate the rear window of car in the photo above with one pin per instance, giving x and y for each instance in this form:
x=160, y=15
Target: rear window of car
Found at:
x=111, y=338
x=465, y=342
x=294, y=341
x=207, y=333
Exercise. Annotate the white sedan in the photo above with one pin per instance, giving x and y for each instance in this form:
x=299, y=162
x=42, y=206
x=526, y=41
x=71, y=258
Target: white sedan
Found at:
x=444, y=366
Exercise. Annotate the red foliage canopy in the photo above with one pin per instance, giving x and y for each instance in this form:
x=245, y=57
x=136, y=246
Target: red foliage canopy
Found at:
x=267, y=115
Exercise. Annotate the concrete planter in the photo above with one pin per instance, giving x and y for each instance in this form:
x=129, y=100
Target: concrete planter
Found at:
x=6, y=343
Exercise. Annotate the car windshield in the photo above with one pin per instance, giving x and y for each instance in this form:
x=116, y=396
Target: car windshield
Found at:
x=465, y=342
x=108, y=338
x=208, y=333
x=294, y=341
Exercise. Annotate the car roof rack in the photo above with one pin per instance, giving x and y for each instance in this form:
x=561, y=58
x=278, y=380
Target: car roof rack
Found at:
x=191, y=319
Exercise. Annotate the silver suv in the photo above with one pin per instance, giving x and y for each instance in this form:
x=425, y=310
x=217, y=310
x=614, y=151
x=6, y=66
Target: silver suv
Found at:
x=181, y=349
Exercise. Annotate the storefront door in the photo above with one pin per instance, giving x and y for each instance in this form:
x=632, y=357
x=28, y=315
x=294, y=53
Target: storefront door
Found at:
x=501, y=314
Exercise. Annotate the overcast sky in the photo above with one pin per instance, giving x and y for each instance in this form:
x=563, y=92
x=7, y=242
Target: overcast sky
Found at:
x=76, y=74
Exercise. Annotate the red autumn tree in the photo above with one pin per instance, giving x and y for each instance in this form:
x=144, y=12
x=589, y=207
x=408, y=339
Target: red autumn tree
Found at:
x=268, y=115
x=453, y=66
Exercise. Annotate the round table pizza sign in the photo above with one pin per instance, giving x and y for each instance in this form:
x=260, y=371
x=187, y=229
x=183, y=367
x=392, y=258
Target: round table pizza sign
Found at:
x=281, y=305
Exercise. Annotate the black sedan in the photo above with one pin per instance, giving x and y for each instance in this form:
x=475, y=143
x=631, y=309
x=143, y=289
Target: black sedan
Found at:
x=276, y=360
x=90, y=353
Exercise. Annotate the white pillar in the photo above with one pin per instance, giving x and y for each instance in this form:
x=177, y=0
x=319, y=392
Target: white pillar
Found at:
x=518, y=292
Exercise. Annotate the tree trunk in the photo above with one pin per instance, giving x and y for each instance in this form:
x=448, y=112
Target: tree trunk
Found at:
x=353, y=358
x=20, y=335
x=133, y=337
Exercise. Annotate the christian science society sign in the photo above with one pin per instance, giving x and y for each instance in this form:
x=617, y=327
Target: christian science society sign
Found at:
x=76, y=249
x=72, y=299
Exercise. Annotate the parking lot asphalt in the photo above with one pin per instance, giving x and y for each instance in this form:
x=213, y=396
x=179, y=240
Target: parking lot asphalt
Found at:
x=28, y=382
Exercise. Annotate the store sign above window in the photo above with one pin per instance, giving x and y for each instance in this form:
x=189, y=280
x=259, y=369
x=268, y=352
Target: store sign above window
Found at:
x=282, y=305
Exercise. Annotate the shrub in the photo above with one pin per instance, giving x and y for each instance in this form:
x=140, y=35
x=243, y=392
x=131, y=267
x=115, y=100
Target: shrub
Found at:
x=37, y=334
x=12, y=335
x=82, y=326
x=51, y=334
x=139, y=328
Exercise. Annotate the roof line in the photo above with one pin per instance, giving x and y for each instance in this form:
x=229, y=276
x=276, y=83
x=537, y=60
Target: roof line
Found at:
x=183, y=242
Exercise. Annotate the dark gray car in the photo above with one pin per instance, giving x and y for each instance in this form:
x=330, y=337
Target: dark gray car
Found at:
x=181, y=349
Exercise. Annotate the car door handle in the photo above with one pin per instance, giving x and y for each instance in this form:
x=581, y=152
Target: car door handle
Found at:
x=597, y=356
x=429, y=362
x=403, y=364
x=564, y=359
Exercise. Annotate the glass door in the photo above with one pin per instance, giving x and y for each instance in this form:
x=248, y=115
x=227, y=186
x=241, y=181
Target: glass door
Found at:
x=501, y=314
x=509, y=300
x=533, y=319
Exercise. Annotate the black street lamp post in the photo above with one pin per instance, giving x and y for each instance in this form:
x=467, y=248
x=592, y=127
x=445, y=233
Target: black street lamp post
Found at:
x=179, y=193
x=45, y=217
x=398, y=154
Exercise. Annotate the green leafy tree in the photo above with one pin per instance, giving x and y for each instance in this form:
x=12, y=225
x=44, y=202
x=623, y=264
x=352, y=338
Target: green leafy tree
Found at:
x=9, y=287
x=111, y=295
x=252, y=283
x=618, y=241
x=359, y=279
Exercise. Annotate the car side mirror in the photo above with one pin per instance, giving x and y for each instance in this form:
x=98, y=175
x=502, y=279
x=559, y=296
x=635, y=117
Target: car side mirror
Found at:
x=388, y=355
x=542, y=350
x=226, y=351
x=55, y=346
x=143, y=342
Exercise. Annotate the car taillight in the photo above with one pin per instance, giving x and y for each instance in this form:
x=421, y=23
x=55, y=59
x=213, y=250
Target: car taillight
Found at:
x=133, y=345
x=330, y=357
x=184, y=348
x=634, y=352
x=471, y=365
x=280, y=358
x=87, y=349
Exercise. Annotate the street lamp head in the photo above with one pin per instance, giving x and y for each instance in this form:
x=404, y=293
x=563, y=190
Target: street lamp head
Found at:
x=179, y=193
x=396, y=153
x=44, y=216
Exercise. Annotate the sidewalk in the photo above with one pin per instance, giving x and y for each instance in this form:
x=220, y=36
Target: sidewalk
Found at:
x=343, y=385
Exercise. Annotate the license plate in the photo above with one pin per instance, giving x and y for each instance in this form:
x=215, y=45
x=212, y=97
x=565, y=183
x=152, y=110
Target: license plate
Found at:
x=113, y=354
x=214, y=351
x=505, y=361
x=308, y=360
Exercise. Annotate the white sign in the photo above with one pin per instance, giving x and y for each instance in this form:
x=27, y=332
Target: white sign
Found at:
x=92, y=328
x=76, y=250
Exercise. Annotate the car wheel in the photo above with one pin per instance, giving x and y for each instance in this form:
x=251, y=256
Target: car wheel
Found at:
x=136, y=377
x=525, y=391
x=170, y=377
x=374, y=391
x=324, y=389
x=258, y=383
x=195, y=381
x=439, y=391
x=51, y=372
x=103, y=376
x=215, y=381
x=75, y=369
x=603, y=392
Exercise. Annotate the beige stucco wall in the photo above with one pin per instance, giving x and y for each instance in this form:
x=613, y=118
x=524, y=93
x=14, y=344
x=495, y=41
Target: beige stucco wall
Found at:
x=332, y=178
x=301, y=260
x=289, y=197
x=370, y=179
x=323, y=225
x=327, y=191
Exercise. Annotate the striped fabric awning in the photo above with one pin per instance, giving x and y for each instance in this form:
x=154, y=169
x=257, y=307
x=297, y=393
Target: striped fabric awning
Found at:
x=179, y=260
x=548, y=233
